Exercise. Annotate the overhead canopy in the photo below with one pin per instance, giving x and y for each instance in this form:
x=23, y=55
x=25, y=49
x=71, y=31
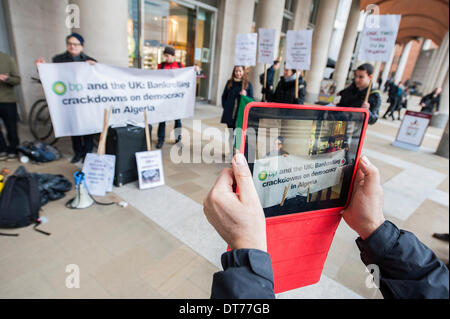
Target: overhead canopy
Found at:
x=428, y=19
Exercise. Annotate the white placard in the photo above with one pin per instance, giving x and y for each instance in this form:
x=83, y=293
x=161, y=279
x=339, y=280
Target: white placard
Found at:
x=77, y=93
x=378, y=37
x=413, y=128
x=266, y=46
x=150, y=169
x=298, y=49
x=99, y=173
x=245, y=50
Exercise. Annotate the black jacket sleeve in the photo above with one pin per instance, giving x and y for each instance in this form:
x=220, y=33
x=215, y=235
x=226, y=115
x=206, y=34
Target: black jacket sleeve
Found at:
x=375, y=104
x=301, y=91
x=247, y=274
x=407, y=268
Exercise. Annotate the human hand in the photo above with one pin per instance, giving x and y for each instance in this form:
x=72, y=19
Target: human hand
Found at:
x=365, y=105
x=239, y=219
x=91, y=62
x=4, y=77
x=40, y=60
x=244, y=93
x=365, y=211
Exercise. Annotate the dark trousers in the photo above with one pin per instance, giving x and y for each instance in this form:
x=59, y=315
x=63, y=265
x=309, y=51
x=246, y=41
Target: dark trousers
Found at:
x=82, y=144
x=162, y=130
x=395, y=106
x=8, y=113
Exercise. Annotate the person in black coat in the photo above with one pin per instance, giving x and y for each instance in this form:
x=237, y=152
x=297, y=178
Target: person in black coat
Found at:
x=285, y=91
x=395, y=99
x=270, y=77
x=430, y=103
x=236, y=86
x=407, y=268
x=81, y=144
x=355, y=94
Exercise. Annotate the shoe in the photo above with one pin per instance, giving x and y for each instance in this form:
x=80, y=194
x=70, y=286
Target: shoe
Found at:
x=83, y=157
x=159, y=144
x=12, y=155
x=76, y=158
x=3, y=155
x=441, y=236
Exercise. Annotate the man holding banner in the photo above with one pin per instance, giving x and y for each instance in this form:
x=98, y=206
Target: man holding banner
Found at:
x=355, y=95
x=81, y=144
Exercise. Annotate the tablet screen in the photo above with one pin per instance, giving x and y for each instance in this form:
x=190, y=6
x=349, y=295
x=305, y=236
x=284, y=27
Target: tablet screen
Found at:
x=301, y=159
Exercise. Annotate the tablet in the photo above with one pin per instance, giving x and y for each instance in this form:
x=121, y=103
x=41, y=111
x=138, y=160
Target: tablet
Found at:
x=303, y=161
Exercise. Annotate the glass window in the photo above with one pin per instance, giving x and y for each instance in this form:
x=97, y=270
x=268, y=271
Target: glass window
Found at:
x=133, y=33
x=289, y=5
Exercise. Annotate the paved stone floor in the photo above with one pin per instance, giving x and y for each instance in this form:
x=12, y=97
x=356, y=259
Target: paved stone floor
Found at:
x=161, y=245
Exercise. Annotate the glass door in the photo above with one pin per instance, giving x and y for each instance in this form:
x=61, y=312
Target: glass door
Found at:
x=203, y=51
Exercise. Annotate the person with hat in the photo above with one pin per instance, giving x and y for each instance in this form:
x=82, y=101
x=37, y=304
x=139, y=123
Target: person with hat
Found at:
x=74, y=43
x=168, y=64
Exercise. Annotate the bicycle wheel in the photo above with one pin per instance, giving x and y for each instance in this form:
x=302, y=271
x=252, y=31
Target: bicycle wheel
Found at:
x=32, y=114
x=42, y=128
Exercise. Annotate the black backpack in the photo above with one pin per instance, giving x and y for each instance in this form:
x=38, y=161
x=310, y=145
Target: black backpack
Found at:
x=20, y=202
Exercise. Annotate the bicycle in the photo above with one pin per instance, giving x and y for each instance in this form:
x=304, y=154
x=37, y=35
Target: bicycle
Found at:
x=39, y=120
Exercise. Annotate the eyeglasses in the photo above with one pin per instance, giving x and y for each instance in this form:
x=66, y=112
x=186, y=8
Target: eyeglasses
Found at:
x=73, y=44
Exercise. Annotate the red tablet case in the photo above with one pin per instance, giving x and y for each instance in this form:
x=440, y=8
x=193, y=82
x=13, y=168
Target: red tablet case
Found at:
x=298, y=244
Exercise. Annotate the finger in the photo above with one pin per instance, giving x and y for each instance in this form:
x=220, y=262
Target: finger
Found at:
x=244, y=179
x=371, y=174
x=225, y=180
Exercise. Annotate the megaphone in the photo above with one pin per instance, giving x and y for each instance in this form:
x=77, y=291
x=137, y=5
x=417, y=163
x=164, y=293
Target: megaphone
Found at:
x=82, y=198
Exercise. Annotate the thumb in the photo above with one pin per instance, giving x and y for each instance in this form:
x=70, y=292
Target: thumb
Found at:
x=371, y=174
x=244, y=179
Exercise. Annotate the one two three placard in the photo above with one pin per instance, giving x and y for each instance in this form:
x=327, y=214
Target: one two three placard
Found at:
x=99, y=168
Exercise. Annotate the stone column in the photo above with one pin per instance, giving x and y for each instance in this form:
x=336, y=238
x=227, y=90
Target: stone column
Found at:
x=441, y=118
x=442, y=149
x=234, y=17
x=435, y=65
x=269, y=15
x=387, y=68
x=348, y=44
x=301, y=14
x=103, y=25
x=376, y=73
x=442, y=71
x=402, y=62
x=320, y=44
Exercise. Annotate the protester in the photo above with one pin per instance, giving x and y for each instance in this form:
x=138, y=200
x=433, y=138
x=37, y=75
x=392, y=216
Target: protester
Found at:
x=395, y=98
x=270, y=76
x=278, y=148
x=387, y=84
x=169, y=64
x=355, y=94
x=285, y=91
x=9, y=77
x=75, y=45
x=408, y=269
x=236, y=86
x=430, y=103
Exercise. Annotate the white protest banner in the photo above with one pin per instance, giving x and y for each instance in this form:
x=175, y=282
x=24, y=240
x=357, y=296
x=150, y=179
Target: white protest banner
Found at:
x=77, y=93
x=245, y=50
x=266, y=46
x=378, y=37
x=298, y=49
x=99, y=173
x=150, y=169
x=271, y=175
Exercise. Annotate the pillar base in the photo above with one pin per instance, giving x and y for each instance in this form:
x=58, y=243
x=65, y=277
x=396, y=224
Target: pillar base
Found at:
x=439, y=120
x=311, y=98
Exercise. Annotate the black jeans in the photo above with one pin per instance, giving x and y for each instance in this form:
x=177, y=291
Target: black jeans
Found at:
x=162, y=130
x=82, y=144
x=8, y=113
